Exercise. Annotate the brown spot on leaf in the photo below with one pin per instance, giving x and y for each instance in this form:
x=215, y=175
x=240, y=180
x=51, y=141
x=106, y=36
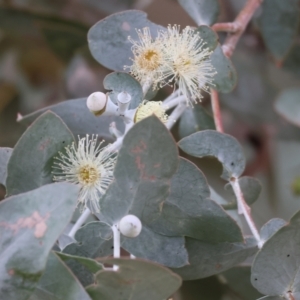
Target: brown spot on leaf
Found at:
x=140, y=148
x=35, y=221
x=126, y=26
x=44, y=144
x=11, y=272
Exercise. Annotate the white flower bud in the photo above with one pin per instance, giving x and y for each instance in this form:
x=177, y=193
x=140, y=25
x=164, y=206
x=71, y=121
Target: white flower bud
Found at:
x=130, y=226
x=96, y=102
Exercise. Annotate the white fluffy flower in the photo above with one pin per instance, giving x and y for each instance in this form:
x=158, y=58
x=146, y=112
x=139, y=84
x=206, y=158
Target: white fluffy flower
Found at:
x=86, y=165
x=148, y=62
x=189, y=62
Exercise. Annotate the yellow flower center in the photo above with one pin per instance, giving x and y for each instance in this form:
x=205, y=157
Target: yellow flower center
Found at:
x=148, y=108
x=149, y=60
x=88, y=175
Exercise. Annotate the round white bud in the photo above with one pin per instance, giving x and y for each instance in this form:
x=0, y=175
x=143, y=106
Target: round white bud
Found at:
x=124, y=97
x=96, y=102
x=130, y=226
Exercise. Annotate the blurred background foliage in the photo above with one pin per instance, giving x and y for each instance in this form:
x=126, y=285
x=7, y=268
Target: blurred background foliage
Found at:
x=44, y=59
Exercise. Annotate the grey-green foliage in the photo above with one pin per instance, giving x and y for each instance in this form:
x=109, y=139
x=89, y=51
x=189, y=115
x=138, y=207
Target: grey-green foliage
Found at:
x=188, y=211
x=287, y=105
x=250, y=187
x=238, y=280
x=31, y=161
x=135, y=280
x=82, y=267
x=209, y=37
x=92, y=240
x=54, y=287
x=193, y=120
x=278, y=23
x=119, y=82
x=78, y=118
x=166, y=250
x=222, y=146
x=206, y=259
x=203, y=12
x=226, y=78
x=271, y=227
x=275, y=270
x=108, y=39
x=5, y=154
x=30, y=224
x=145, y=164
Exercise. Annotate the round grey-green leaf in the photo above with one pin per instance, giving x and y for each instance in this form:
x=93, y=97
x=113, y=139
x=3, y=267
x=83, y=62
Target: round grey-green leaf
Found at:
x=222, y=146
x=287, y=105
x=31, y=161
x=226, y=78
x=119, y=82
x=57, y=282
x=5, y=154
x=276, y=268
x=30, y=224
x=278, y=24
x=108, y=39
x=139, y=280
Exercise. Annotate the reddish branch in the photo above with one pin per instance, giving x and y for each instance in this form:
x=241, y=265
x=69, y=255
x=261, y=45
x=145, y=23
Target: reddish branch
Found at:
x=240, y=24
x=235, y=30
x=215, y=103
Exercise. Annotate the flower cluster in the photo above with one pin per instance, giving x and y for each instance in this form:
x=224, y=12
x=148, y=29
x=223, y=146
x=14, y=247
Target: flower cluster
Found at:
x=86, y=165
x=173, y=57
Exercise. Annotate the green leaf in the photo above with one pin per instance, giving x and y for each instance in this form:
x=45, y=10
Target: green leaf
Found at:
x=78, y=118
x=31, y=162
x=195, y=119
x=83, y=268
x=222, y=146
x=30, y=224
x=275, y=270
x=203, y=12
x=271, y=227
x=188, y=211
x=250, y=187
x=226, y=78
x=146, y=162
x=278, y=24
x=5, y=154
x=109, y=35
x=209, y=36
x=238, y=280
x=208, y=259
x=93, y=240
x=57, y=283
x=288, y=105
x=135, y=280
x=122, y=82
x=165, y=250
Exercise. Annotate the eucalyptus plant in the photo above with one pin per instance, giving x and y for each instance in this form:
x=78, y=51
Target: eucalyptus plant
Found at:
x=95, y=175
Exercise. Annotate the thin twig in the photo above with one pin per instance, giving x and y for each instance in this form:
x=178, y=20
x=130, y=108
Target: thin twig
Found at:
x=81, y=220
x=240, y=23
x=244, y=209
x=174, y=102
x=215, y=104
x=227, y=27
x=175, y=115
x=117, y=244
